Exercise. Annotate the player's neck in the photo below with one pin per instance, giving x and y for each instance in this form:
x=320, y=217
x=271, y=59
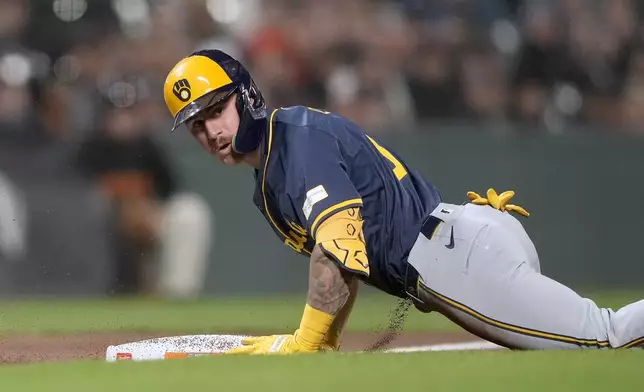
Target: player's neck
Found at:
x=253, y=158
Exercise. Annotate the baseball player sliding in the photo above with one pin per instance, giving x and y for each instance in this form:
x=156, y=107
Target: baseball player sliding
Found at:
x=334, y=194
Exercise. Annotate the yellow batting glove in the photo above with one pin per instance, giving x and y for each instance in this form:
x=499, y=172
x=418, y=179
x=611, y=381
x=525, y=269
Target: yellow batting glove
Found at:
x=309, y=338
x=499, y=202
x=274, y=344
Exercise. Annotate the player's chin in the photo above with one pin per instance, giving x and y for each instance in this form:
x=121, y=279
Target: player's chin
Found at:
x=231, y=158
x=224, y=154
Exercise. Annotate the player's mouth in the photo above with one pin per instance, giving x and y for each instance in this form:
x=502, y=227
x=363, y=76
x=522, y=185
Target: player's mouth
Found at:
x=223, y=151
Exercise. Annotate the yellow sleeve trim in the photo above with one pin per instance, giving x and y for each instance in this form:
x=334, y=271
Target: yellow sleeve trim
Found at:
x=334, y=208
x=341, y=239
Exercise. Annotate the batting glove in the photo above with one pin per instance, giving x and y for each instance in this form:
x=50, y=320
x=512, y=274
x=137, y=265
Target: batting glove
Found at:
x=275, y=344
x=500, y=202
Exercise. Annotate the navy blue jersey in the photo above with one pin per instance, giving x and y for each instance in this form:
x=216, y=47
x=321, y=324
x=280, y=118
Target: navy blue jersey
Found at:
x=315, y=164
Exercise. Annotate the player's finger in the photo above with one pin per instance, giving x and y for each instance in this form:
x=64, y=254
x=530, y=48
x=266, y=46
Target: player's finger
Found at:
x=493, y=198
x=517, y=209
x=473, y=195
x=252, y=340
x=481, y=201
x=505, y=197
x=242, y=350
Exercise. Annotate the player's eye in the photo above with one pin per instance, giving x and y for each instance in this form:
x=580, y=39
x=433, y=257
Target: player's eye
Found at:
x=216, y=111
x=196, y=126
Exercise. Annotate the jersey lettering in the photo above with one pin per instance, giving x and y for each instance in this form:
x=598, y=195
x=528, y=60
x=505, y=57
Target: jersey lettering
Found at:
x=399, y=170
x=297, y=237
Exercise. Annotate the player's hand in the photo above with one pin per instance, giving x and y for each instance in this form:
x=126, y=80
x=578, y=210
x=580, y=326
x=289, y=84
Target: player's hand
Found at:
x=500, y=202
x=275, y=344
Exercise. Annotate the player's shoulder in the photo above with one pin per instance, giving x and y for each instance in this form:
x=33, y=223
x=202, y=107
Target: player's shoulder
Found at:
x=302, y=116
x=298, y=126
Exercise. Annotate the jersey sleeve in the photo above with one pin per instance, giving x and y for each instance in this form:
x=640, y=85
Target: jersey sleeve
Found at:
x=324, y=187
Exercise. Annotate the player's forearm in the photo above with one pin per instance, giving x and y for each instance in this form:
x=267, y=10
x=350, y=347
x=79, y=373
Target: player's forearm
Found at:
x=329, y=285
x=328, y=293
x=334, y=336
x=344, y=313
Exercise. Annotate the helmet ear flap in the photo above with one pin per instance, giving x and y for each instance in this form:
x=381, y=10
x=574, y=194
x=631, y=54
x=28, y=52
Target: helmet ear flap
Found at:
x=256, y=108
x=239, y=101
x=252, y=118
x=256, y=95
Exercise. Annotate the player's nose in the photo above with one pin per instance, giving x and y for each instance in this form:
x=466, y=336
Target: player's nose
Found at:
x=212, y=129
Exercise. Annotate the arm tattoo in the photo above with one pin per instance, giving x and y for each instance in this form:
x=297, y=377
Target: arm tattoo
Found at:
x=329, y=285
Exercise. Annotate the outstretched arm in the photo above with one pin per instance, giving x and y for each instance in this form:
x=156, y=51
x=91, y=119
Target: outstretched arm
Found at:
x=331, y=290
x=329, y=285
x=328, y=304
x=333, y=338
x=338, y=257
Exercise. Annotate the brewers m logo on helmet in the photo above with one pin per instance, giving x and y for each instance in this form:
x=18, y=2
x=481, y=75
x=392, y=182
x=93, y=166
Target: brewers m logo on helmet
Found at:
x=181, y=90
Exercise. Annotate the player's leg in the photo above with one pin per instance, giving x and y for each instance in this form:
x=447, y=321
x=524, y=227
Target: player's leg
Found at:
x=489, y=283
x=627, y=326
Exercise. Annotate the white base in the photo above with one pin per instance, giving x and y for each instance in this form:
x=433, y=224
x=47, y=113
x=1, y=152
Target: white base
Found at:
x=173, y=347
x=195, y=345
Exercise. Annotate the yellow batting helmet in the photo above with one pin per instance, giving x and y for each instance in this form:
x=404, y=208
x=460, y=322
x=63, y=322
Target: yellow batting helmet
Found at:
x=207, y=77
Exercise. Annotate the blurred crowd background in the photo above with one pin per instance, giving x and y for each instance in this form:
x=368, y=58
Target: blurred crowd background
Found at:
x=81, y=88
x=384, y=63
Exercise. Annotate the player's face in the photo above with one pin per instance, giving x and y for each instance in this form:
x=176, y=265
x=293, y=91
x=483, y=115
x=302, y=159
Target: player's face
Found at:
x=215, y=130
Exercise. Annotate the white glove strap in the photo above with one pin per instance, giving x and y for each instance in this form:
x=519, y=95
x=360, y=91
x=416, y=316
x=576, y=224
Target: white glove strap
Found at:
x=277, y=345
